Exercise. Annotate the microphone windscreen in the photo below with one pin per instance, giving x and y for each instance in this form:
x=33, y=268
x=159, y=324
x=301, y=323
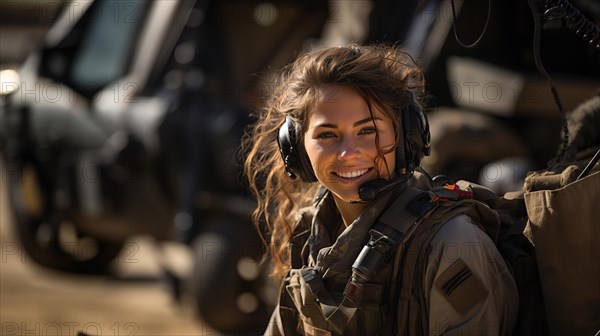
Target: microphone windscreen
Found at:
x=368, y=191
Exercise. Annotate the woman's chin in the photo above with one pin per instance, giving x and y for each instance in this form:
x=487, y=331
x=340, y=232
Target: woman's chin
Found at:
x=348, y=197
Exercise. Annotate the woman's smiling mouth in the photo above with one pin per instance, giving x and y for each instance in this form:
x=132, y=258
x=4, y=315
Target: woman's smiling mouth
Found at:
x=352, y=174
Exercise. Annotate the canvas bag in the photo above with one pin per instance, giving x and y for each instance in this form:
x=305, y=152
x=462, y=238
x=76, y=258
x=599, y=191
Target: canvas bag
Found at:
x=564, y=226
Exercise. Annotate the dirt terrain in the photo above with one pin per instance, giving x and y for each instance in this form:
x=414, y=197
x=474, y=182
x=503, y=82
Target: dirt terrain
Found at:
x=135, y=301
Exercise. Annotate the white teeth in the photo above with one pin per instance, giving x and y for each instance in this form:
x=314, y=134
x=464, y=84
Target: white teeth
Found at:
x=352, y=174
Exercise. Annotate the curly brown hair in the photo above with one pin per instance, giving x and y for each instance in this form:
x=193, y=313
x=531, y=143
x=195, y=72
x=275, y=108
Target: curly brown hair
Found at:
x=381, y=74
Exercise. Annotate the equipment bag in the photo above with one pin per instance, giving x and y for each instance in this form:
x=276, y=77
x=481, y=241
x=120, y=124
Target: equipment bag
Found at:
x=564, y=225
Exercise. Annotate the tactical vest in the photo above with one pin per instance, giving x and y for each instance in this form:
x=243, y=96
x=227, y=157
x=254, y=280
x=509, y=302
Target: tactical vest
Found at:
x=384, y=295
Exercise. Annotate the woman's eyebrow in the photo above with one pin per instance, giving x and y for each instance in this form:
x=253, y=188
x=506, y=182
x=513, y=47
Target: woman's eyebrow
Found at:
x=366, y=120
x=358, y=123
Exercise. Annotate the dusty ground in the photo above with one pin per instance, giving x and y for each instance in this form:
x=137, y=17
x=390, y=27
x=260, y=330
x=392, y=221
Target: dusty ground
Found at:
x=37, y=301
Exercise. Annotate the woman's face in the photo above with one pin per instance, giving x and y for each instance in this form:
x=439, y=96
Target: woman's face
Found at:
x=340, y=141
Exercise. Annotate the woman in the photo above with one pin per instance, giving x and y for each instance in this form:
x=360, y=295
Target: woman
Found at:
x=333, y=161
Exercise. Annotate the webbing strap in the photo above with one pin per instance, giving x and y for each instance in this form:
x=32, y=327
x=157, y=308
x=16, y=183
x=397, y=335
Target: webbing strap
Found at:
x=404, y=213
x=335, y=315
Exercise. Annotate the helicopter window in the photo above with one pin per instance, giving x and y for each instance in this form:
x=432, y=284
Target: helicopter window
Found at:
x=104, y=54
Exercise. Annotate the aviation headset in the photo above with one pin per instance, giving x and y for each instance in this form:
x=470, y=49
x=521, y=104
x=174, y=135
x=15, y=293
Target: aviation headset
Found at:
x=416, y=138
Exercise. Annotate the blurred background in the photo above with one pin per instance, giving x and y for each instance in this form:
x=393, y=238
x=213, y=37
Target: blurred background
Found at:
x=123, y=210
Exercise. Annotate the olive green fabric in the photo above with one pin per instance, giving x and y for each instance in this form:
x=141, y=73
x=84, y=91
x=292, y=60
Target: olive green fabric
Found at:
x=332, y=258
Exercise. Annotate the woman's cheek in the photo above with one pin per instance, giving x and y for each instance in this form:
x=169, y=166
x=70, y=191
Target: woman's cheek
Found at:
x=316, y=153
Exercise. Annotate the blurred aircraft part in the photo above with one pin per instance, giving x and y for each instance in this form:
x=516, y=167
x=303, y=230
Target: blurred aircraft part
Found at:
x=127, y=122
x=132, y=301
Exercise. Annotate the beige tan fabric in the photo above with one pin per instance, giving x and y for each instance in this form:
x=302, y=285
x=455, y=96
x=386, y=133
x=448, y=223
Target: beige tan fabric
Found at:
x=564, y=224
x=488, y=301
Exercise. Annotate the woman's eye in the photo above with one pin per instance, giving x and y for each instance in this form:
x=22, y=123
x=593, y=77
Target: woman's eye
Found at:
x=325, y=135
x=368, y=130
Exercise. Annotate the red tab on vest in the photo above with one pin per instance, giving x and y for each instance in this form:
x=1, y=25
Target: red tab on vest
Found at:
x=451, y=192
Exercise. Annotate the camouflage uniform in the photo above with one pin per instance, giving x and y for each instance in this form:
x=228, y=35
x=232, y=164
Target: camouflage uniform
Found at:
x=466, y=286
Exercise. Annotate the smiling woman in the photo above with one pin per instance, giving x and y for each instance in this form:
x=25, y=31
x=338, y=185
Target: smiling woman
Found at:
x=345, y=143
x=343, y=205
x=331, y=86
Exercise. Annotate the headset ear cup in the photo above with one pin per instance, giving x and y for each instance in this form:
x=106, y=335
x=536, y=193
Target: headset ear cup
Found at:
x=306, y=171
x=416, y=133
x=286, y=147
x=425, y=133
x=295, y=159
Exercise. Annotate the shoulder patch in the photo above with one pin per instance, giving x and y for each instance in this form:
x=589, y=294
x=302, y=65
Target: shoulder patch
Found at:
x=463, y=289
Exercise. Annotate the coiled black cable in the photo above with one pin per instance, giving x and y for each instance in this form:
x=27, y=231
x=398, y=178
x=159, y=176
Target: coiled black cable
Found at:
x=575, y=20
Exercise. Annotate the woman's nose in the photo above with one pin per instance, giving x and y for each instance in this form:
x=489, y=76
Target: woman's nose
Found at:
x=348, y=149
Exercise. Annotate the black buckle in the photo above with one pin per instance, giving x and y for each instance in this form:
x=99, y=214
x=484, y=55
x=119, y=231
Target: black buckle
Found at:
x=382, y=243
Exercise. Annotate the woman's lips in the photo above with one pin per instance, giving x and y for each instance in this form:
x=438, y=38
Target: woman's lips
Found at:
x=352, y=176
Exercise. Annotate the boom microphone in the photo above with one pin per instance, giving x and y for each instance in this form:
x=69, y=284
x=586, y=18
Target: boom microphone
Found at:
x=370, y=190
